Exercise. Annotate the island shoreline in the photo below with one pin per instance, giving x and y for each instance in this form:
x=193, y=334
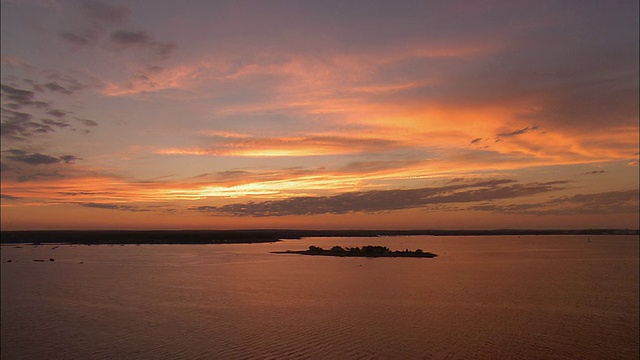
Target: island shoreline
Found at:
x=368, y=251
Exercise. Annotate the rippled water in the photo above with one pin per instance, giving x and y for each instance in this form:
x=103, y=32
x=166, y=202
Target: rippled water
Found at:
x=556, y=297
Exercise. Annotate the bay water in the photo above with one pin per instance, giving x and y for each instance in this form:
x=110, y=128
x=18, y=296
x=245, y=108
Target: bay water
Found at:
x=483, y=297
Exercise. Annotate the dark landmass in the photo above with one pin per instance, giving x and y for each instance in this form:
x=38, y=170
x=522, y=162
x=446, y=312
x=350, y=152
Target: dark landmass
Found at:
x=366, y=251
x=97, y=237
x=108, y=237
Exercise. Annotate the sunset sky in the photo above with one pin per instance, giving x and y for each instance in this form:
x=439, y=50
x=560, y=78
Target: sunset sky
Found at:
x=319, y=114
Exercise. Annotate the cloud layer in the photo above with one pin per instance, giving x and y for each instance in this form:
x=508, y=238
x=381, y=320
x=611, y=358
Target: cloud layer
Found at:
x=301, y=111
x=383, y=200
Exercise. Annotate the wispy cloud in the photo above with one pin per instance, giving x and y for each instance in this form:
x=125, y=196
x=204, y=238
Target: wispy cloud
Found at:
x=365, y=167
x=22, y=156
x=288, y=146
x=54, y=86
x=21, y=125
x=87, y=122
x=382, y=200
x=519, y=132
x=113, y=206
x=19, y=96
x=102, y=26
x=612, y=202
x=88, y=20
x=128, y=37
x=31, y=159
x=17, y=125
x=141, y=39
x=57, y=113
x=9, y=197
x=55, y=123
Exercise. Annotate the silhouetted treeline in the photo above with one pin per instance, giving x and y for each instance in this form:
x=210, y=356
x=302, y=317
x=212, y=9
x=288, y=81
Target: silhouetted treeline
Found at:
x=140, y=237
x=253, y=236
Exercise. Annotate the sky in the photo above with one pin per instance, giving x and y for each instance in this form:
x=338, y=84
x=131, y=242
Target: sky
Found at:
x=319, y=114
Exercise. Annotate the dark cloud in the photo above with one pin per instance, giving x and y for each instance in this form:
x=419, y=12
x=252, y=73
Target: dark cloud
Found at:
x=164, y=49
x=605, y=198
x=34, y=159
x=128, y=37
x=34, y=85
x=16, y=116
x=103, y=12
x=22, y=156
x=16, y=95
x=19, y=126
x=15, y=98
x=57, y=113
x=55, y=87
x=39, y=175
x=143, y=40
x=612, y=202
x=112, y=206
x=69, y=159
x=382, y=200
x=92, y=23
x=519, y=132
x=9, y=197
x=64, y=83
x=87, y=122
x=15, y=152
x=78, y=39
x=55, y=123
x=476, y=140
x=88, y=19
x=595, y=172
x=58, y=83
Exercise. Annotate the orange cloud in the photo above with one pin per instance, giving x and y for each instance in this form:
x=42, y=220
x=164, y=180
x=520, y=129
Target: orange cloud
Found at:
x=434, y=111
x=286, y=146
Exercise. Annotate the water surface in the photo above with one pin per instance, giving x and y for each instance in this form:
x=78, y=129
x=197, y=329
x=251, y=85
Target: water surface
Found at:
x=529, y=297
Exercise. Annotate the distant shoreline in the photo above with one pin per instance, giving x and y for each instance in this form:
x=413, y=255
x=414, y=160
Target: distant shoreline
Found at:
x=193, y=237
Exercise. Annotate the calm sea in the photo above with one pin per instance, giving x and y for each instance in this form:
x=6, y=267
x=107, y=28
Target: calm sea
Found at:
x=486, y=297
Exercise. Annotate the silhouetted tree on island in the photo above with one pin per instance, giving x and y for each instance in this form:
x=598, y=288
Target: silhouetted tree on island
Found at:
x=354, y=250
x=365, y=251
x=375, y=250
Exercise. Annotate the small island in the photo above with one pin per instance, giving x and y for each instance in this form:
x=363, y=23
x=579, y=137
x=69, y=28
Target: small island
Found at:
x=365, y=251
